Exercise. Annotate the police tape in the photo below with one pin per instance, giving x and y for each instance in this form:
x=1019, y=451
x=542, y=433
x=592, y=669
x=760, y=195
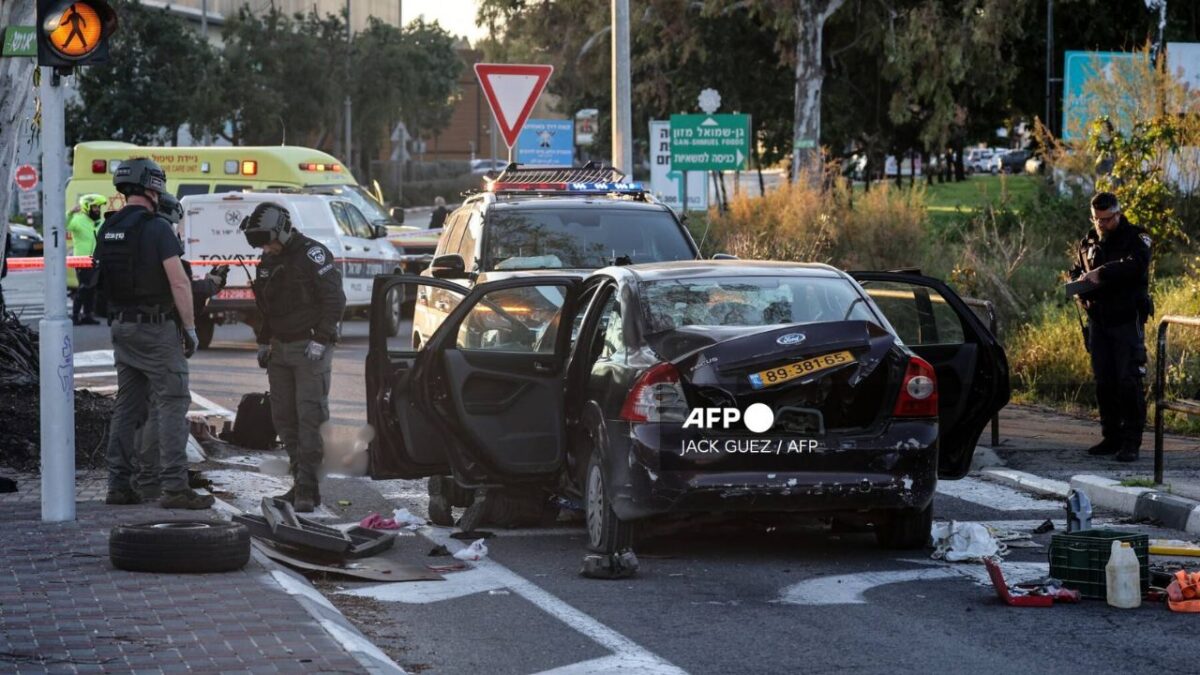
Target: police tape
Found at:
x=83, y=262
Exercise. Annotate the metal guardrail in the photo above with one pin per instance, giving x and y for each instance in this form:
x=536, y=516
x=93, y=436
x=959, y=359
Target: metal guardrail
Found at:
x=1161, y=404
x=993, y=326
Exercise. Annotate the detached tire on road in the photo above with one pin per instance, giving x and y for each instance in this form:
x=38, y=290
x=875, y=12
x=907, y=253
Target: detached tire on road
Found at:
x=905, y=529
x=180, y=546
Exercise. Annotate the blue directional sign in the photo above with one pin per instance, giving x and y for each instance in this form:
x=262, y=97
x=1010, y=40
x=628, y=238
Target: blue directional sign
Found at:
x=1079, y=68
x=547, y=143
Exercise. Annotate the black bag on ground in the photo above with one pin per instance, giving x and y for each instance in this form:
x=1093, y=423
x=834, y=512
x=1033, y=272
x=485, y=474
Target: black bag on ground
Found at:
x=253, y=427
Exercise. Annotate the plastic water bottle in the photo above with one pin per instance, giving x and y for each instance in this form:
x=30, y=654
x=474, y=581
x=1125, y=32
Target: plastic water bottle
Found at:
x=1124, y=577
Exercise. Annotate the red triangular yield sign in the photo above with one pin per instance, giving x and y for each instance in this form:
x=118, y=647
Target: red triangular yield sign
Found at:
x=512, y=90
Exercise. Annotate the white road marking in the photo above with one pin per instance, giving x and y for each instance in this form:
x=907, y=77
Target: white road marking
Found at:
x=632, y=656
x=95, y=359
x=210, y=407
x=993, y=495
x=456, y=585
x=851, y=589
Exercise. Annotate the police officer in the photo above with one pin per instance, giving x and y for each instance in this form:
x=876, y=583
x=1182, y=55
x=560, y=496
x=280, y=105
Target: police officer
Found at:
x=147, y=480
x=82, y=226
x=1115, y=257
x=298, y=290
x=149, y=300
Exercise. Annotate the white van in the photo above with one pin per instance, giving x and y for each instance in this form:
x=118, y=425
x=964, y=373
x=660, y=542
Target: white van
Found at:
x=211, y=227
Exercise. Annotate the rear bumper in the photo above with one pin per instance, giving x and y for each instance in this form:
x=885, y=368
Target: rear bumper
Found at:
x=654, y=471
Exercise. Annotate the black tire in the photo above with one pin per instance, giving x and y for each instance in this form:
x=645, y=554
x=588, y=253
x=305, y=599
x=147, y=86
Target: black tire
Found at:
x=204, y=330
x=905, y=529
x=180, y=546
x=395, y=311
x=606, y=532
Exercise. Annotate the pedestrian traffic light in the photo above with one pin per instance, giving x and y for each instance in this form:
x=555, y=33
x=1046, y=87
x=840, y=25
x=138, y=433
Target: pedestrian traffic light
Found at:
x=74, y=33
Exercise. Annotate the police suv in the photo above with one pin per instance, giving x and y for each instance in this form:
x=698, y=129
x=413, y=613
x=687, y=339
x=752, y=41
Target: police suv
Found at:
x=530, y=221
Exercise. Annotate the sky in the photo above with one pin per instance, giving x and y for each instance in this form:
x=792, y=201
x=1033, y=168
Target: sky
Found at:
x=456, y=16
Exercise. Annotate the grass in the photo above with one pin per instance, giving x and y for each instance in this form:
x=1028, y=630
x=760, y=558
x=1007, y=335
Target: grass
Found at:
x=1142, y=482
x=945, y=201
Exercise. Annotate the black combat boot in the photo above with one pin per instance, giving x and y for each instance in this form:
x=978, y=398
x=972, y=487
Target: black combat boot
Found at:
x=1108, y=446
x=307, y=498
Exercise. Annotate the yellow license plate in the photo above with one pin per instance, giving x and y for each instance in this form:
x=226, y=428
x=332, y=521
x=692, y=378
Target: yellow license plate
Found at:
x=774, y=376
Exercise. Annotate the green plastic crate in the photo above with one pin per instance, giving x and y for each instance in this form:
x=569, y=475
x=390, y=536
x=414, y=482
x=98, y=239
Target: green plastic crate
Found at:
x=1078, y=559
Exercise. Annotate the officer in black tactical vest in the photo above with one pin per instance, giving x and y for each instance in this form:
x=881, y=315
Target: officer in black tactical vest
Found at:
x=147, y=479
x=298, y=290
x=149, y=300
x=1114, y=257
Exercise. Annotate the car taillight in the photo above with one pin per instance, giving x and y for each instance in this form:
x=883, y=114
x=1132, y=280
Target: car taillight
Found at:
x=918, y=392
x=656, y=397
x=99, y=166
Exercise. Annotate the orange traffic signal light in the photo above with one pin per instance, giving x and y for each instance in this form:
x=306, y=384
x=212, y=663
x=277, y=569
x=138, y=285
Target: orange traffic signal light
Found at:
x=74, y=33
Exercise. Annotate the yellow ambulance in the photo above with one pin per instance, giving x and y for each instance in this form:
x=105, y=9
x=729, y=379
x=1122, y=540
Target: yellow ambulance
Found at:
x=211, y=170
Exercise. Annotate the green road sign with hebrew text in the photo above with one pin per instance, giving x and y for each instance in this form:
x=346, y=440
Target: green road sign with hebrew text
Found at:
x=710, y=142
x=20, y=41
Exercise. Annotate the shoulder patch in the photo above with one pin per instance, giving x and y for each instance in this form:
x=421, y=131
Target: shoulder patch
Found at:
x=1146, y=240
x=317, y=255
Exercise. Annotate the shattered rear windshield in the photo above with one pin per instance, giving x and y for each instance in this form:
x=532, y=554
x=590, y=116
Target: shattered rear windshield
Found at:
x=750, y=301
x=582, y=238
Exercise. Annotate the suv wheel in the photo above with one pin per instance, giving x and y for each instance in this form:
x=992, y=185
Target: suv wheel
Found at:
x=904, y=529
x=606, y=532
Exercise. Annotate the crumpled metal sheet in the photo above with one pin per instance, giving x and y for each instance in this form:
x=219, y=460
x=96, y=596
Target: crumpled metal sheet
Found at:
x=371, y=569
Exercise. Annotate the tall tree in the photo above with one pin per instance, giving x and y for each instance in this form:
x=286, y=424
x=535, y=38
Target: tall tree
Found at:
x=16, y=81
x=157, y=79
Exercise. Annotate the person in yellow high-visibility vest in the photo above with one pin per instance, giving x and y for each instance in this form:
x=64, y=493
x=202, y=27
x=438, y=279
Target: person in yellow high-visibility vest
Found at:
x=82, y=226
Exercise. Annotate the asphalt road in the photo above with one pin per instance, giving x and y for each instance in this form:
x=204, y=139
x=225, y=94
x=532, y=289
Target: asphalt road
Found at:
x=714, y=597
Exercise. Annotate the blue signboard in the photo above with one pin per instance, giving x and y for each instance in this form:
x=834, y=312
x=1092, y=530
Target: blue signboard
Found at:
x=547, y=143
x=1078, y=69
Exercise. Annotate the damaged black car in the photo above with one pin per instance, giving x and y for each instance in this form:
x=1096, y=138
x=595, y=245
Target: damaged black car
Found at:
x=694, y=387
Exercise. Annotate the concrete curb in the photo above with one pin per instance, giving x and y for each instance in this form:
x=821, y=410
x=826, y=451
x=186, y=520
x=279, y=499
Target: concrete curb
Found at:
x=1172, y=511
x=331, y=619
x=1043, y=487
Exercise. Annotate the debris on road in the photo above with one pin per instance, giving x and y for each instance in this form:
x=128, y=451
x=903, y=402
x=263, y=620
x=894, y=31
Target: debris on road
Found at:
x=1079, y=511
x=408, y=520
x=444, y=569
x=1042, y=594
x=1174, y=547
x=964, y=542
x=371, y=569
x=1183, y=593
x=620, y=565
x=180, y=546
x=280, y=527
x=478, y=550
x=472, y=535
x=374, y=521
x=1045, y=527
x=439, y=551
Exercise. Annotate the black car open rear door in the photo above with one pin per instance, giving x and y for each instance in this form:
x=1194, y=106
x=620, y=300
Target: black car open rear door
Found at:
x=492, y=376
x=405, y=443
x=972, y=370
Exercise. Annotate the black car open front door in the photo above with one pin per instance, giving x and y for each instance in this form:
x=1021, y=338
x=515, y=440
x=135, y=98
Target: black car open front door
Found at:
x=493, y=377
x=972, y=370
x=405, y=443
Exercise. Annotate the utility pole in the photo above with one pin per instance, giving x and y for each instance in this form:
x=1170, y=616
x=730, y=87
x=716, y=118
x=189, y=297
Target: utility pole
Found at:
x=348, y=156
x=1049, y=62
x=57, y=353
x=204, y=19
x=622, y=106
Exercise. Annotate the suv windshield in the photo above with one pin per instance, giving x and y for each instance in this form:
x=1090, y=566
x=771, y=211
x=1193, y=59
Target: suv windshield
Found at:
x=750, y=301
x=355, y=194
x=581, y=238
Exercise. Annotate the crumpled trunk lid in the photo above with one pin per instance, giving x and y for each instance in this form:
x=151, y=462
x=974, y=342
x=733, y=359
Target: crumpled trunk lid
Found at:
x=720, y=367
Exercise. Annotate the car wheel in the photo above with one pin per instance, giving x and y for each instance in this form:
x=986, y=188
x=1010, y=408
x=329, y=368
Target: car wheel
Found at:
x=395, y=312
x=180, y=546
x=204, y=330
x=905, y=529
x=606, y=532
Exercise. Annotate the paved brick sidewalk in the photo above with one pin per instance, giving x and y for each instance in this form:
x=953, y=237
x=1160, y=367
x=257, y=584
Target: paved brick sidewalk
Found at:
x=65, y=609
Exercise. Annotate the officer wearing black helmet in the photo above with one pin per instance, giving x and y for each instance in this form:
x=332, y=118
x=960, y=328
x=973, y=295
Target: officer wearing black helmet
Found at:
x=147, y=477
x=1114, y=261
x=298, y=290
x=149, y=300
